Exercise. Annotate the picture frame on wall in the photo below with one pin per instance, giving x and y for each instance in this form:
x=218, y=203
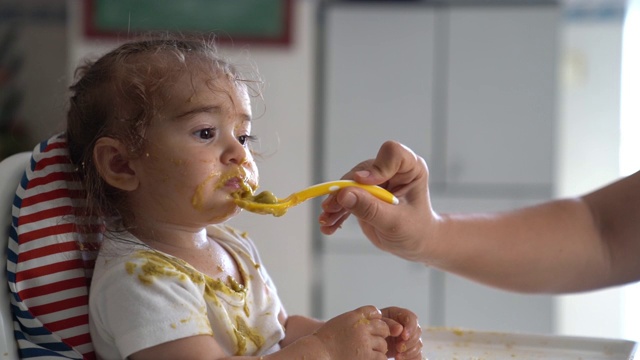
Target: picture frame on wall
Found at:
x=265, y=22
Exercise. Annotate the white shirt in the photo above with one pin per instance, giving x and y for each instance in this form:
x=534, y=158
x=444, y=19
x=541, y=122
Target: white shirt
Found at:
x=141, y=297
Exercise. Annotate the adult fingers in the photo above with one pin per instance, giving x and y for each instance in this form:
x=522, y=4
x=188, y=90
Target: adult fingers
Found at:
x=395, y=162
x=368, y=208
x=332, y=218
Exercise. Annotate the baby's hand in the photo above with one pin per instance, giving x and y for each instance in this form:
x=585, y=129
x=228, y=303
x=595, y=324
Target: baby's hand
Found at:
x=404, y=342
x=358, y=334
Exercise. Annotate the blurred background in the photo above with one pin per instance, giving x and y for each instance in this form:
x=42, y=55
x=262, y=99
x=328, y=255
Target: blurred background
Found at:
x=510, y=102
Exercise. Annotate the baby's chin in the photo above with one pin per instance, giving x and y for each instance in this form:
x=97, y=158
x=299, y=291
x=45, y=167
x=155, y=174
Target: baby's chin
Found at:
x=224, y=214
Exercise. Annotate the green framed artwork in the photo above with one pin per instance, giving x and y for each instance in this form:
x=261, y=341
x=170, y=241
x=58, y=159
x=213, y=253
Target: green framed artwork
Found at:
x=237, y=21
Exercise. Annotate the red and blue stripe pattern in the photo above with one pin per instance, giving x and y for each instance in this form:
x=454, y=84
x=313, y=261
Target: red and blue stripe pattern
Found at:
x=50, y=258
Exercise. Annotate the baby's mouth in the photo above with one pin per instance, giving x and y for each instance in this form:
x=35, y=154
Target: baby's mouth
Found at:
x=241, y=185
x=240, y=181
x=236, y=181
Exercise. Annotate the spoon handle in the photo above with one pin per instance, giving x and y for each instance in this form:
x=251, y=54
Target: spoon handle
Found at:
x=331, y=186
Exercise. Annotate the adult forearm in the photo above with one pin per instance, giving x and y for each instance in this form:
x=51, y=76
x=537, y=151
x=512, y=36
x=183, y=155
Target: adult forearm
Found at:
x=551, y=247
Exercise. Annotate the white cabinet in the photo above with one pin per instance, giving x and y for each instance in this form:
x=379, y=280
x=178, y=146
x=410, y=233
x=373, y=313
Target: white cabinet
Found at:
x=357, y=275
x=500, y=99
x=472, y=90
x=473, y=306
x=469, y=88
x=377, y=82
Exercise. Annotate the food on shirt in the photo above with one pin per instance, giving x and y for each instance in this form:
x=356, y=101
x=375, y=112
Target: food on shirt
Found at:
x=156, y=265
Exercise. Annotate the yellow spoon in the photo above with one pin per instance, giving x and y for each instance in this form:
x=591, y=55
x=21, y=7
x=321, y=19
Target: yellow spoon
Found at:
x=267, y=203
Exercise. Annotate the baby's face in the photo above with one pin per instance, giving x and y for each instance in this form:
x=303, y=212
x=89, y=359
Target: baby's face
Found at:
x=197, y=154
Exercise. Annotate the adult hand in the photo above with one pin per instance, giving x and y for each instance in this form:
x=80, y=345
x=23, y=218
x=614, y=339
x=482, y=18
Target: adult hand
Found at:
x=401, y=229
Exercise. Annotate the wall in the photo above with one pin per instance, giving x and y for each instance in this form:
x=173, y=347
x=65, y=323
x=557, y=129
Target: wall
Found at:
x=284, y=129
x=40, y=33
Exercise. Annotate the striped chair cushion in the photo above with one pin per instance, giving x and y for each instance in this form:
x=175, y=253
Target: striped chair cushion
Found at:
x=50, y=260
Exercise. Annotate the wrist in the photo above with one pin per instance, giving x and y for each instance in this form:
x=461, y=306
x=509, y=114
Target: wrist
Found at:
x=432, y=247
x=307, y=347
x=320, y=349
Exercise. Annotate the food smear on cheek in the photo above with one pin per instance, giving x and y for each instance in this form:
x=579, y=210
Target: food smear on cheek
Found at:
x=153, y=265
x=198, y=198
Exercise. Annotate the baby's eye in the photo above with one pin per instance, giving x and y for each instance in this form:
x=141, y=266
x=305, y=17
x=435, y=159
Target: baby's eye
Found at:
x=246, y=139
x=206, y=134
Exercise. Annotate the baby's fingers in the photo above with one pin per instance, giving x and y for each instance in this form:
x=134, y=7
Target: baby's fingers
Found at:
x=409, y=350
x=378, y=332
x=395, y=328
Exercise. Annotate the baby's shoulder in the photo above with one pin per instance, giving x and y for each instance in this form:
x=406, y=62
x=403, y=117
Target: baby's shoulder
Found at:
x=141, y=266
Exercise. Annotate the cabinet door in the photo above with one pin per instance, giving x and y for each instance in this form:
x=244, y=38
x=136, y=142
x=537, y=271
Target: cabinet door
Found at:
x=501, y=70
x=377, y=71
x=357, y=277
x=474, y=306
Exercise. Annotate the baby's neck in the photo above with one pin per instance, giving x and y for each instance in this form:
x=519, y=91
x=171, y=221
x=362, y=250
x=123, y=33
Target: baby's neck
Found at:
x=170, y=236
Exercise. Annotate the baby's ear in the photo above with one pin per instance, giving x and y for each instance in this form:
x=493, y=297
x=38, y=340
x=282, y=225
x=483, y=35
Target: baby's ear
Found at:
x=112, y=162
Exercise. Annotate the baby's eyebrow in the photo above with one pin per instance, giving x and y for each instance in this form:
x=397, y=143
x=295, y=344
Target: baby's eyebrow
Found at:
x=211, y=109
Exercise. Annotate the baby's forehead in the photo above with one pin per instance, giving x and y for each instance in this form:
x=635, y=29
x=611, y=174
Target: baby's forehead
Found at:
x=206, y=81
x=202, y=87
x=167, y=76
x=171, y=75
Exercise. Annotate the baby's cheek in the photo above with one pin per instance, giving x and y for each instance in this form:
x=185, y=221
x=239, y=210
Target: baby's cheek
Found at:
x=203, y=190
x=163, y=166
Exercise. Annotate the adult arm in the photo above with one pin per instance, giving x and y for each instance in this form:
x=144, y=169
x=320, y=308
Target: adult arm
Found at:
x=564, y=245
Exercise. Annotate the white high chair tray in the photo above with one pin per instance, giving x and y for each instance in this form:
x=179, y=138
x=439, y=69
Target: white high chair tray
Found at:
x=460, y=344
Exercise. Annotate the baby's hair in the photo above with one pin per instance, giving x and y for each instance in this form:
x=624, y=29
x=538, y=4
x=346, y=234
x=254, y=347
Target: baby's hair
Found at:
x=118, y=95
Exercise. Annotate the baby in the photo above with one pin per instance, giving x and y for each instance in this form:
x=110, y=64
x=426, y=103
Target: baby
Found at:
x=160, y=130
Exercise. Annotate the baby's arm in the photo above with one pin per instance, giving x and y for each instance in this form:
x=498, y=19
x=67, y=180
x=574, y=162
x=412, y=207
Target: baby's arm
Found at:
x=192, y=347
x=403, y=341
x=359, y=334
x=297, y=326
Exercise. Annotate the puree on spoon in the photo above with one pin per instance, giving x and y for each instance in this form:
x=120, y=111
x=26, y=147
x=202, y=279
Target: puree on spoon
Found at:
x=267, y=203
x=260, y=203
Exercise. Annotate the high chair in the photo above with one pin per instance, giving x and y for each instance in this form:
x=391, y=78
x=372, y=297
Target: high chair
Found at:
x=49, y=261
x=11, y=170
